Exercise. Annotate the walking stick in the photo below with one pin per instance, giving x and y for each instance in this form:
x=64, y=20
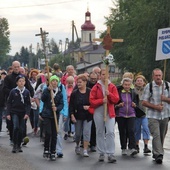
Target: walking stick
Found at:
x=48, y=74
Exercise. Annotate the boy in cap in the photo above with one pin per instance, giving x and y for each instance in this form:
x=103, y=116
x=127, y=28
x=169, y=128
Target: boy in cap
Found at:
x=18, y=109
x=47, y=115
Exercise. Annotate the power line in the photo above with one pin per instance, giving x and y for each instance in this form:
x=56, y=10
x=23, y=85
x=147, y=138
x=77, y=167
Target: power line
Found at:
x=48, y=4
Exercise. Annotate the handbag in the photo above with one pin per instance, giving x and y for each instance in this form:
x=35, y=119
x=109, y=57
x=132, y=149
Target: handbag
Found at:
x=139, y=112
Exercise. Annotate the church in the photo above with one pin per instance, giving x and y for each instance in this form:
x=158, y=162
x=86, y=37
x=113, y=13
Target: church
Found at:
x=90, y=54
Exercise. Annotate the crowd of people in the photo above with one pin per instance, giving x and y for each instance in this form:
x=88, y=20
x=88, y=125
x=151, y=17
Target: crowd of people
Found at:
x=86, y=106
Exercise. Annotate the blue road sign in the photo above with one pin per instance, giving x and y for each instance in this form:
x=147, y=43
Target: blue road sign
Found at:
x=166, y=47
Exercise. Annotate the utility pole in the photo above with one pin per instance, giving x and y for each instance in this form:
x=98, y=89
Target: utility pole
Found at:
x=72, y=41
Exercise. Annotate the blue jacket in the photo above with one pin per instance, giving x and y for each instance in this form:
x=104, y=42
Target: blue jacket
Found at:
x=64, y=111
x=47, y=108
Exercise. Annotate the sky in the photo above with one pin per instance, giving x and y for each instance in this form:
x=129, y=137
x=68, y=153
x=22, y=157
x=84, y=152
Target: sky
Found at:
x=25, y=19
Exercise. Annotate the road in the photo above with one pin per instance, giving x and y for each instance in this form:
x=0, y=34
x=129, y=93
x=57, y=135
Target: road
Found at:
x=32, y=159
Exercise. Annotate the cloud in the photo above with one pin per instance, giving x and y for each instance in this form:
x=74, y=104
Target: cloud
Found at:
x=24, y=23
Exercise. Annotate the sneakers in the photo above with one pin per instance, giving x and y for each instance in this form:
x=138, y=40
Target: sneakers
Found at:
x=52, y=157
x=124, y=152
x=77, y=150
x=111, y=159
x=146, y=150
x=137, y=148
x=19, y=149
x=11, y=143
x=14, y=150
x=46, y=154
x=93, y=149
x=159, y=159
x=101, y=158
x=85, y=154
x=133, y=152
x=65, y=137
x=59, y=155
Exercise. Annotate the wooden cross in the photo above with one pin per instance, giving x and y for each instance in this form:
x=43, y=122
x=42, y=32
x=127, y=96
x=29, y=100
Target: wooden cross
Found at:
x=107, y=46
x=42, y=34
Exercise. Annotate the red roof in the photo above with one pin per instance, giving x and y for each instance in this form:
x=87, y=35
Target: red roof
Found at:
x=88, y=26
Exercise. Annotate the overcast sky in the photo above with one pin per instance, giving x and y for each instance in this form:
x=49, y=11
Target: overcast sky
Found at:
x=25, y=19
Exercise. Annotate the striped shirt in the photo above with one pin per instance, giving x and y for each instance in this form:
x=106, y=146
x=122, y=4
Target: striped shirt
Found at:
x=155, y=98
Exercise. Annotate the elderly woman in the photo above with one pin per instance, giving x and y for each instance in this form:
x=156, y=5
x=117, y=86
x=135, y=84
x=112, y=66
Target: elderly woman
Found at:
x=79, y=108
x=125, y=116
x=141, y=123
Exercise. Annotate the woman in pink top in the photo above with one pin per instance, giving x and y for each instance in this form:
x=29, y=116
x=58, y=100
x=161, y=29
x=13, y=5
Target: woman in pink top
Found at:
x=68, y=127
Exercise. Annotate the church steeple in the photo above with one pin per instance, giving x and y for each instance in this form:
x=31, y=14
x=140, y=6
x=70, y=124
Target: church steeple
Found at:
x=87, y=30
x=87, y=24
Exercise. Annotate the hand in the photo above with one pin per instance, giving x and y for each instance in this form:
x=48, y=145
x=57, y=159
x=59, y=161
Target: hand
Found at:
x=8, y=117
x=133, y=104
x=73, y=119
x=105, y=100
x=86, y=107
x=121, y=104
x=50, y=87
x=32, y=99
x=107, y=92
x=54, y=108
x=159, y=107
x=26, y=117
x=41, y=118
x=163, y=98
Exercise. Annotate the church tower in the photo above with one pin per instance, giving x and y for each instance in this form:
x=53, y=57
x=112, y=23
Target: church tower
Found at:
x=87, y=30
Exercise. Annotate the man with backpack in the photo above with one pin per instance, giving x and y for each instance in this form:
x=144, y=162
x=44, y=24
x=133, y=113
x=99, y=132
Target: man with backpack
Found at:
x=156, y=98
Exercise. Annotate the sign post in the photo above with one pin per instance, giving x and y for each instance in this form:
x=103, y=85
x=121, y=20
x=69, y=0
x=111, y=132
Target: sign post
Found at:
x=163, y=48
x=163, y=44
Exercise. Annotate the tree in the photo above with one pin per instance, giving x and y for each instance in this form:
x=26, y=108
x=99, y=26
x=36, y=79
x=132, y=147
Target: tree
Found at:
x=4, y=38
x=53, y=47
x=24, y=56
x=63, y=61
x=137, y=23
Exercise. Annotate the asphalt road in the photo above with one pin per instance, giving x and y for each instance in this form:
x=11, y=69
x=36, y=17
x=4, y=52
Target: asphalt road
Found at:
x=32, y=159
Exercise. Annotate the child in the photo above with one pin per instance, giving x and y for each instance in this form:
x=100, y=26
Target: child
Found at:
x=18, y=109
x=47, y=116
x=68, y=126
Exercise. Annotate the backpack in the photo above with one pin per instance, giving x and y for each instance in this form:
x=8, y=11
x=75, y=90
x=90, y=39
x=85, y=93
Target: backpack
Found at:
x=151, y=90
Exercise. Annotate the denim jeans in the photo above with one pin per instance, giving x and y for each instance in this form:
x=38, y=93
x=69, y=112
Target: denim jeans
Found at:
x=59, y=147
x=18, y=129
x=36, y=117
x=141, y=128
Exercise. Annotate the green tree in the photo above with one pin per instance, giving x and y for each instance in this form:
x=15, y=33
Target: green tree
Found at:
x=4, y=38
x=53, y=47
x=24, y=56
x=63, y=61
x=137, y=22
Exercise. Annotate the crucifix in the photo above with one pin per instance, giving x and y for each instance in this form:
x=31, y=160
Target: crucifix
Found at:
x=42, y=34
x=107, y=45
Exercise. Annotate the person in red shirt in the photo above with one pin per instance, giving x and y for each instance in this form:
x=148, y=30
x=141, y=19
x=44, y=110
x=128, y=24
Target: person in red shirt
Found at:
x=98, y=97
